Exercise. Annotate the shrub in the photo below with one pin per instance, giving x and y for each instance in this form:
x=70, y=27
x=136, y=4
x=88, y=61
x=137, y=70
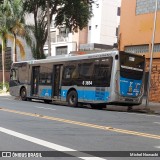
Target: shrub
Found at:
x=6, y=84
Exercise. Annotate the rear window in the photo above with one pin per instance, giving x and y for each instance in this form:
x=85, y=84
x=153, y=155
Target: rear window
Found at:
x=131, y=66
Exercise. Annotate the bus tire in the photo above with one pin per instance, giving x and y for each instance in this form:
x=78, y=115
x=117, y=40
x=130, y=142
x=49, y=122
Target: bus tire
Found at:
x=23, y=94
x=72, y=98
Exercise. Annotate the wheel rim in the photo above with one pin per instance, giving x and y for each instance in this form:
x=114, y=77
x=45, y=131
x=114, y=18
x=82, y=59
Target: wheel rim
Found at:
x=72, y=99
x=23, y=93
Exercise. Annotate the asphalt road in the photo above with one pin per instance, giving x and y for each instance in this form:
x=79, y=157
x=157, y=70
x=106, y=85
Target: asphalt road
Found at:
x=36, y=126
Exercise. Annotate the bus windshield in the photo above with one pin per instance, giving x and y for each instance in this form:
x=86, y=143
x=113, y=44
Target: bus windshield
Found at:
x=131, y=66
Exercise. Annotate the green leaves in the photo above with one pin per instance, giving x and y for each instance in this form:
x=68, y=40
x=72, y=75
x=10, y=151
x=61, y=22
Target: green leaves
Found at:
x=73, y=14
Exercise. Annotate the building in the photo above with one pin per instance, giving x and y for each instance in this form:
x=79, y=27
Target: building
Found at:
x=101, y=33
x=136, y=29
x=103, y=26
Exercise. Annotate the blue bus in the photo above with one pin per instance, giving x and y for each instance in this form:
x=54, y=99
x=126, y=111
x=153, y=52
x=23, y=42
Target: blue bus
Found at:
x=97, y=79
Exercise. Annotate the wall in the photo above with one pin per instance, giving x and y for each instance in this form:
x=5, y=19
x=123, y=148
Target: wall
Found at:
x=7, y=76
x=137, y=29
x=102, y=26
x=155, y=80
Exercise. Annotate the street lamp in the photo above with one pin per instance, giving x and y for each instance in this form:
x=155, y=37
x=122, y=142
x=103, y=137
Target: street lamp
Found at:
x=151, y=55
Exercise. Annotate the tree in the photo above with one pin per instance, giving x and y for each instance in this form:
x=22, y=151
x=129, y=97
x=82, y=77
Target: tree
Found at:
x=74, y=14
x=18, y=26
x=4, y=13
x=9, y=24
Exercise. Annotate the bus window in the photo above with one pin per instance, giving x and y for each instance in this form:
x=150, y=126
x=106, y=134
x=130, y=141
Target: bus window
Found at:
x=131, y=66
x=85, y=69
x=13, y=75
x=45, y=75
x=68, y=70
x=102, y=72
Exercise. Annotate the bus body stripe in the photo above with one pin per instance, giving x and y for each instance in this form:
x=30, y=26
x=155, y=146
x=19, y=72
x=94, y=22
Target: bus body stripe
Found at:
x=89, y=95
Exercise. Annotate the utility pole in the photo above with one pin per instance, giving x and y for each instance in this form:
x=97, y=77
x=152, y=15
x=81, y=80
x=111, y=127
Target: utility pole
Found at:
x=48, y=26
x=151, y=55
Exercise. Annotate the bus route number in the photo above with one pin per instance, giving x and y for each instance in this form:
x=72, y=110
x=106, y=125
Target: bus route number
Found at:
x=87, y=83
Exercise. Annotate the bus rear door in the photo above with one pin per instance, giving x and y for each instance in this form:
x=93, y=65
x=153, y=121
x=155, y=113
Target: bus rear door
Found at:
x=35, y=80
x=57, y=80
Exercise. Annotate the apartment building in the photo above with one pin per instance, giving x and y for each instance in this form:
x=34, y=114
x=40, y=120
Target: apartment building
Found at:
x=136, y=30
x=101, y=33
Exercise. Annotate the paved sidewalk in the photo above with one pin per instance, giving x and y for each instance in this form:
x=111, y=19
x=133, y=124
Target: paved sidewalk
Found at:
x=4, y=94
x=152, y=106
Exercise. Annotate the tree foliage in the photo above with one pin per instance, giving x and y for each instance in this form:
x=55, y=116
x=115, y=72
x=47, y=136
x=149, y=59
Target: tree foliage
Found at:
x=74, y=14
x=18, y=26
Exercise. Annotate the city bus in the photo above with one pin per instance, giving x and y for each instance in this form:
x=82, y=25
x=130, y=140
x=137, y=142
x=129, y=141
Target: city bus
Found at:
x=96, y=79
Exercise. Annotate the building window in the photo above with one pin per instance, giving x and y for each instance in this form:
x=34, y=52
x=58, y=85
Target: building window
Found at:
x=137, y=49
x=146, y=6
x=157, y=47
x=118, y=11
x=97, y=5
x=90, y=27
x=117, y=30
x=61, y=50
x=96, y=26
x=53, y=37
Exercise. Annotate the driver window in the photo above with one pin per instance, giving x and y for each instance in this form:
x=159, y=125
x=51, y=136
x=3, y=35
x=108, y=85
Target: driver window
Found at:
x=13, y=75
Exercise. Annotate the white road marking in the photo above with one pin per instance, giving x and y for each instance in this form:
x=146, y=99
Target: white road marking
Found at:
x=44, y=108
x=157, y=122
x=45, y=143
x=157, y=146
x=145, y=114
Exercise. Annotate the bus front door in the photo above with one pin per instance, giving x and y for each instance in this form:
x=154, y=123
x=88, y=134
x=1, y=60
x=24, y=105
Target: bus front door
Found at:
x=35, y=80
x=57, y=79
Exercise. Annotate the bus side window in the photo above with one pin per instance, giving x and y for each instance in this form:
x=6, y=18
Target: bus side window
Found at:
x=68, y=70
x=75, y=73
x=102, y=71
x=45, y=76
x=85, y=69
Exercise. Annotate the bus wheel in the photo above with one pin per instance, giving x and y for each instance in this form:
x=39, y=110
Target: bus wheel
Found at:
x=72, y=99
x=23, y=94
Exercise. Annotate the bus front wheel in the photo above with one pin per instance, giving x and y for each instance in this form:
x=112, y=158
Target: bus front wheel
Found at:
x=23, y=94
x=72, y=98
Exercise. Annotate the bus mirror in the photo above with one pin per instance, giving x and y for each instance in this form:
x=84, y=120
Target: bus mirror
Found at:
x=116, y=57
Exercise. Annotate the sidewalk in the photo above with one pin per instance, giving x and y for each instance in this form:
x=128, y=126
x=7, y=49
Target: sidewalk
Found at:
x=4, y=93
x=152, y=108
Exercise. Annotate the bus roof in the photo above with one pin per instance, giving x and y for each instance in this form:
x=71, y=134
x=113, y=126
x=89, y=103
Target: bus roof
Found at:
x=70, y=57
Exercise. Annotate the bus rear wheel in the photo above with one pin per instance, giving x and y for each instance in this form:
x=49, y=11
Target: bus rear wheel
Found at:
x=23, y=94
x=72, y=98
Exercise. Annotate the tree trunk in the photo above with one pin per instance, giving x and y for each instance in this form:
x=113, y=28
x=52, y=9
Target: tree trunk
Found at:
x=15, y=49
x=3, y=63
